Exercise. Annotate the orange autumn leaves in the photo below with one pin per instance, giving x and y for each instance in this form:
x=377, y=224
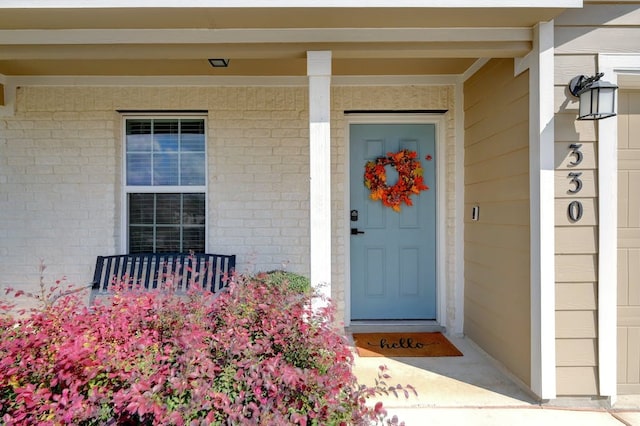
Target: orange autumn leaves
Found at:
x=410, y=180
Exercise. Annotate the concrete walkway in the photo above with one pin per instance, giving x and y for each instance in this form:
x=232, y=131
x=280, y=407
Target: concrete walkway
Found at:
x=472, y=390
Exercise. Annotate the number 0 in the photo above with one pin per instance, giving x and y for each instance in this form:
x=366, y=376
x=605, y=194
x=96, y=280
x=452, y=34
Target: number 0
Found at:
x=575, y=211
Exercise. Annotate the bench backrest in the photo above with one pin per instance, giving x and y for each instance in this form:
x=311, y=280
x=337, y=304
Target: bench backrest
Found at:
x=157, y=270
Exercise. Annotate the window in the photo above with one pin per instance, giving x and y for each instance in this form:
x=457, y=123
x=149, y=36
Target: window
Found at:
x=165, y=168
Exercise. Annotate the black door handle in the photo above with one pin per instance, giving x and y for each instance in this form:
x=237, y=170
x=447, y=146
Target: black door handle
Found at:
x=354, y=231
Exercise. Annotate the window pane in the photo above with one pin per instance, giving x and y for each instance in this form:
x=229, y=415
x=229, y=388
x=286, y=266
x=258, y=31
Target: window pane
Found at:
x=168, y=239
x=193, y=211
x=175, y=150
x=138, y=169
x=192, y=143
x=193, y=239
x=168, y=209
x=165, y=126
x=141, y=209
x=141, y=239
x=166, y=222
x=165, y=143
x=192, y=126
x=165, y=169
x=138, y=143
x=192, y=169
x=139, y=126
x=165, y=135
x=138, y=135
x=192, y=135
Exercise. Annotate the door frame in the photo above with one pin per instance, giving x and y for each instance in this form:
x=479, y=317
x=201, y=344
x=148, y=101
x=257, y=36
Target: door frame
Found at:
x=439, y=120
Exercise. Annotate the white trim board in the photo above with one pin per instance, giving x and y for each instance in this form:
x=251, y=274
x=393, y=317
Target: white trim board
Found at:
x=441, y=242
x=474, y=68
x=542, y=205
x=612, y=66
x=458, y=321
x=260, y=35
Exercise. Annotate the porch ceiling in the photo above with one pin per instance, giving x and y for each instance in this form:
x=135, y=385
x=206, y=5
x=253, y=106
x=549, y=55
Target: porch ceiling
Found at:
x=259, y=41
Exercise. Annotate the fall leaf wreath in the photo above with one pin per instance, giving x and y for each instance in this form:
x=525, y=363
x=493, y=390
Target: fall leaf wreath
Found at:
x=410, y=180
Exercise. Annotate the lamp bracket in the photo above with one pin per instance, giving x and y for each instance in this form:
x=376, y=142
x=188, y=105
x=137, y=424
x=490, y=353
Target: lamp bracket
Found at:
x=580, y=82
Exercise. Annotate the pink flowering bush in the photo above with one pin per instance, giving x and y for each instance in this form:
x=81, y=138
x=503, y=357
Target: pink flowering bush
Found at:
x=256, y=355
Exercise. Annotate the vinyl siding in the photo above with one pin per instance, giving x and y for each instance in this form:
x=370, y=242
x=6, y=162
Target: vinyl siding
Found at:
x=580, y=35
x=497, y=266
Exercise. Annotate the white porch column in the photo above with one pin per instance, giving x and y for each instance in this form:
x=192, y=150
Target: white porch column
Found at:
x=319, y=72
x=608, y=244
x=541, y=184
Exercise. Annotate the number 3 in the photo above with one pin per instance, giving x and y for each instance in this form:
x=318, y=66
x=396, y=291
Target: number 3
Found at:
x=575, y=179
x=575, y=150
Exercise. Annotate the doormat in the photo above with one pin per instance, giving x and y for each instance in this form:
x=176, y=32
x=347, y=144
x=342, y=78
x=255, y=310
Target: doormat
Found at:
x=404, y=345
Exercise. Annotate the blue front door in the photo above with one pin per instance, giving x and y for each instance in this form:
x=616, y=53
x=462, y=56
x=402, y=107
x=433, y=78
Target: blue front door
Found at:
x=393, y=254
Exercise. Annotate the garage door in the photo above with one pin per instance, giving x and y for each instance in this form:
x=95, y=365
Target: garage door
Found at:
x=629, y=242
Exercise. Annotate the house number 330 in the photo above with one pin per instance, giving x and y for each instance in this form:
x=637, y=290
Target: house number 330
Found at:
x=575, y=209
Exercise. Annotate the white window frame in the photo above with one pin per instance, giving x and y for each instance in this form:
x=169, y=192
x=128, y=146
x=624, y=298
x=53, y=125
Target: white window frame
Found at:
x=139, y=189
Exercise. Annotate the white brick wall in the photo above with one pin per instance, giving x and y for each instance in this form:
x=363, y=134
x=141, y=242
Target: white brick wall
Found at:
x=61, y=162
x=258, y=177
x=56, y=198
x=61, y=166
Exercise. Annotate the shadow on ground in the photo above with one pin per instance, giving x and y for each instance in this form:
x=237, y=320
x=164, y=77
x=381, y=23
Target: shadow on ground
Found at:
x=471, y=380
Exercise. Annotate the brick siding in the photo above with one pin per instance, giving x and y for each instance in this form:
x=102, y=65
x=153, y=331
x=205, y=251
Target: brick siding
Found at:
x=61, y=167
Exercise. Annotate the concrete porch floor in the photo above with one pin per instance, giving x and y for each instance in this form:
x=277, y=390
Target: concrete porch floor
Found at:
x=473, y=390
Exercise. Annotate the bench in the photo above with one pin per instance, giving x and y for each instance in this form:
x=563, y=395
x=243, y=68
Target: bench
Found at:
x=159, y=270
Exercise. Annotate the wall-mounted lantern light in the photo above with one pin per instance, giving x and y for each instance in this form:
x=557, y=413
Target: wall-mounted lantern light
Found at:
x=597, y=97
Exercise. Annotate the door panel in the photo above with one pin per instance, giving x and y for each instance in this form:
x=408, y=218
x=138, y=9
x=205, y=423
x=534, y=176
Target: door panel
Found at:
x=628, y=243
x=393, y=263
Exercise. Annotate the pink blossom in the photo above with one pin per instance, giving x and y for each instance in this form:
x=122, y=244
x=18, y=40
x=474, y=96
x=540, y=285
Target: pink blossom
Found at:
x=258, y=354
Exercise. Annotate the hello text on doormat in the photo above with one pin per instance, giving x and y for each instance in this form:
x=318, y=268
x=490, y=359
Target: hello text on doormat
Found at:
x=404, y=345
